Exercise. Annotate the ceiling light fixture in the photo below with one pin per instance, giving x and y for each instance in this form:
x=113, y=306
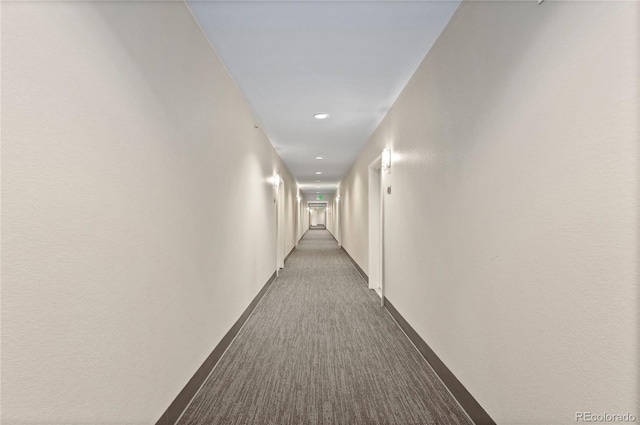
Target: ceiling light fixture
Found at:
x=318, y=172
x=321, y=116
x=319, y=158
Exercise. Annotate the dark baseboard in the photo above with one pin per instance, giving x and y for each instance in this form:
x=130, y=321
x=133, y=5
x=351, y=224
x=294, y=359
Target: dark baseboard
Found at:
x=466, y=400
x=362, y=273
x=289, y=254
x=173, y=412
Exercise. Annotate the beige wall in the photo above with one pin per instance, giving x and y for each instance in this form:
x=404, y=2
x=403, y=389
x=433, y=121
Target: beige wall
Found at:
x=134, y=192
x=511, y=230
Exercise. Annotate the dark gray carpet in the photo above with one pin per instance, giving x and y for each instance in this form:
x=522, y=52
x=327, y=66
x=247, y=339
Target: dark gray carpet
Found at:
x=319, y=349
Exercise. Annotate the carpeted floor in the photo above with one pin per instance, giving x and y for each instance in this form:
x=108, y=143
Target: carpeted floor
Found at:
x=319, y=349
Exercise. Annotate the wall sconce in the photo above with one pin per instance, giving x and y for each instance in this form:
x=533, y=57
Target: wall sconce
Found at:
x=298, y=198
x=276, y=180
x=386, y=160
x=338, y=198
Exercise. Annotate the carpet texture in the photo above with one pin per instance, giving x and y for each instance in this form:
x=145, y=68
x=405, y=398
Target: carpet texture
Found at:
x=319, y=349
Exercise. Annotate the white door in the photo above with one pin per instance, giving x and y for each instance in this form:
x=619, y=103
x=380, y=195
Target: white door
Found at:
x=376, y=239
x=280, y=224
x=338, y=234
x=298, y=219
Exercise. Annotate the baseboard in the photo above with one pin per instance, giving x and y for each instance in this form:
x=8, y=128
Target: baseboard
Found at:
x=305, y=232
x=173, y=412
x=477, y=414
x=362, y=273
x=289, y=254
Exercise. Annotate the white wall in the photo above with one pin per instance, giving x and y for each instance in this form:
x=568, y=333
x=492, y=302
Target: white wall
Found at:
x=511, y=230
x=134, y=191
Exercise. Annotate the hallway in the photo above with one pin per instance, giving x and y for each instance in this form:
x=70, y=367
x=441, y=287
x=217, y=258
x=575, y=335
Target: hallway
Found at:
x=318, y=349
x=476, y=162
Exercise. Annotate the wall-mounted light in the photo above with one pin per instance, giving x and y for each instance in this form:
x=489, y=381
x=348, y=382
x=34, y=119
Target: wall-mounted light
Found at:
x=298, y=198
x=338, y=198
x=386, y=160
x=276, y=180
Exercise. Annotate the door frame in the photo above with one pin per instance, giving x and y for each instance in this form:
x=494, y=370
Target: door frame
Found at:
x=280, y=225
x=376, y=227
x=298, y=218
x=338, y=235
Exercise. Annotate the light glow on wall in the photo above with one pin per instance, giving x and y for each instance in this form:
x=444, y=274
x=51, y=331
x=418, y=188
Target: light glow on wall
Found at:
x=386, y=159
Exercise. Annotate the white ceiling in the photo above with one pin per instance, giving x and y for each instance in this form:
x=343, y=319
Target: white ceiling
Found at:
x=292, y=59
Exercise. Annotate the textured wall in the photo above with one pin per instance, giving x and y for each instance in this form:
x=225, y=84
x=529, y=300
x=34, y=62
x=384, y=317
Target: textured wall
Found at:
x=134, y=191
x=511, y=230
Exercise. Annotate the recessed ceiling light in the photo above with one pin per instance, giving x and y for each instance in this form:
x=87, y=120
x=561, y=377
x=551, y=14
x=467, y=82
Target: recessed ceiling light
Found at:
x=317, y=181
x=319, y=157
x=318, y=172
x=321, y=116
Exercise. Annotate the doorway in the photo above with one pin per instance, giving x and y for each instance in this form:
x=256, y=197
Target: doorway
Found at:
x=280, y=224
x=318, y=215
x=376, y=234
x=298, y=219
x=336, y=216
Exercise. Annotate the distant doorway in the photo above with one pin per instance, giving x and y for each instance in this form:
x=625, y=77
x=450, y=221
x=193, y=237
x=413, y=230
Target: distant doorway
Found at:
x=317, y=216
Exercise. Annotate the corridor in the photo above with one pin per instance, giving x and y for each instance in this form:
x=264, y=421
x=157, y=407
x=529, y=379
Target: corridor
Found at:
x=202, y=200
x=318, y=349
